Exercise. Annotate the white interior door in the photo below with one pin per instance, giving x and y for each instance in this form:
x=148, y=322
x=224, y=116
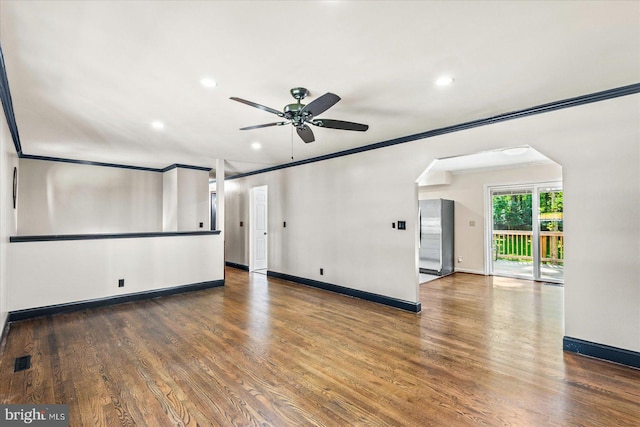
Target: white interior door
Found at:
x=259, y=223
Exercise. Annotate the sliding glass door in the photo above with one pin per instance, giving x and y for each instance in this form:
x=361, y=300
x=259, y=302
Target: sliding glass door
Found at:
x=526, y=232
x=512, y=234
x=551, y=225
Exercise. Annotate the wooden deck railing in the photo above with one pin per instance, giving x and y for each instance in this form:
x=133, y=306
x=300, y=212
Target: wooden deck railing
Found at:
x=517, y=245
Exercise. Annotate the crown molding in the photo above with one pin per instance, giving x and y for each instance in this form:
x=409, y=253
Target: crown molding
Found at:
x=538, y=109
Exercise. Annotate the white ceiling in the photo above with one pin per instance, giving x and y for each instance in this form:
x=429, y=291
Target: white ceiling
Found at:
x=88, y=77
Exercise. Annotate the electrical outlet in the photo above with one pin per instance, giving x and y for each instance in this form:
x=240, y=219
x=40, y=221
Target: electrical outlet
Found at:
x=284, y=224
x=459, y=259
x=241, y=223
x=393, y=225
x=202, y=225
x=402, y=225
x=121, y=283
x=322, y=271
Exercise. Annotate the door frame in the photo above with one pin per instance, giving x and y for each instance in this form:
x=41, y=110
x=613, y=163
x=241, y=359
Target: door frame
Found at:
x=535, y=187
x=213, y=210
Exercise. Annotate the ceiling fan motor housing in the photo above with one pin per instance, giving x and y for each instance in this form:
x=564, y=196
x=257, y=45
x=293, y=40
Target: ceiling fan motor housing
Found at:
x=294, y=113
x=299, y=93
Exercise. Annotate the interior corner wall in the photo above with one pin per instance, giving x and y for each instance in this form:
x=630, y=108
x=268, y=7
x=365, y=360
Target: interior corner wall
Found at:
x=467, y=190
x=8, y=219
x=339, y=213
x=70, y=198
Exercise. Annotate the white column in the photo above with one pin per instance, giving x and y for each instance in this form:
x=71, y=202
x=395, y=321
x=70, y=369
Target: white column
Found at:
x=170, y=200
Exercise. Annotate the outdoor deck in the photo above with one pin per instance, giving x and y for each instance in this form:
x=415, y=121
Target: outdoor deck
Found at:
x=553, y=272
x=513, y=254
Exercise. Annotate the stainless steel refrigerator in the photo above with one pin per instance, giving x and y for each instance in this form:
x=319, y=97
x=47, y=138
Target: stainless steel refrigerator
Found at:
x=436, y=236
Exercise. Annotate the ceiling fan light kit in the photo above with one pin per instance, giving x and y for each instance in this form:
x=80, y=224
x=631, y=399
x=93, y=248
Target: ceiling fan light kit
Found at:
x=299, y=114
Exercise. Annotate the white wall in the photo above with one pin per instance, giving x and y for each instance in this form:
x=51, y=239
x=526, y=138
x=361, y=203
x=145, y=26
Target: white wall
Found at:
x=193, y=199
x=339, y=213
x=467, y=190
x=67, y=198
x=236, y=246
x=185, y=199
x=47, y=273
x=64, y=198
x=8, y=221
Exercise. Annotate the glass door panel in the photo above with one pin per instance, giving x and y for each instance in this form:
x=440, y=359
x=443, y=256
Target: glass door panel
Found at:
x=512, y=232
x=550, y=224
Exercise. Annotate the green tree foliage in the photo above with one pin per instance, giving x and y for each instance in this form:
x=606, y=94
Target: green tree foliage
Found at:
x=513, y=211
x=551, y=209
x=551, y=202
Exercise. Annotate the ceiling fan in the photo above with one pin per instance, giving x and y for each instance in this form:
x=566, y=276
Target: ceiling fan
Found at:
x=299, y=115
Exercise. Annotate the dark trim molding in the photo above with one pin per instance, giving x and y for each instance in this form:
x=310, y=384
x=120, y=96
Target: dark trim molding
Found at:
x=7, y=105
x=238, y=266
x=178, y=165
x=30, y=313
x=87, y=162
x=59, y=237
x=539, y=109
x=381, y=299
x=601, y=351
x=112, y=165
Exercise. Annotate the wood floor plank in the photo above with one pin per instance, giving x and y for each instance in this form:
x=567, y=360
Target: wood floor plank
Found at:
x=262, y=351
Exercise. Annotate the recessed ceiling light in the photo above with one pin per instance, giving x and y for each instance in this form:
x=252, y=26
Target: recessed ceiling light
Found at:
x=444, y=81
x=208, y=82
x=157, y=125
x=256, y=145
x=515, y=151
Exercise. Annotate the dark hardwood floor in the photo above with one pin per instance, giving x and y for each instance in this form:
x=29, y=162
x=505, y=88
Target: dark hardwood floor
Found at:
x=267, y=352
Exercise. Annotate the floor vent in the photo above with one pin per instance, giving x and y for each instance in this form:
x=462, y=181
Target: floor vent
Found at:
x=22, y=363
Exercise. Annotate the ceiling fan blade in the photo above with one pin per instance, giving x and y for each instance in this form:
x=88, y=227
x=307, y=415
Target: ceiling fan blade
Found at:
x=339, y=124
x=262, y=107
x=322, y=104
x=305, y=133
x=265, y=125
